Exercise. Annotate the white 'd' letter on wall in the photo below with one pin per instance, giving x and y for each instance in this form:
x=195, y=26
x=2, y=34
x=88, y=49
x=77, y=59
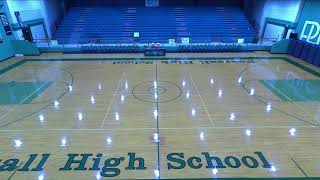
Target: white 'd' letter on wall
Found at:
x=313, y=35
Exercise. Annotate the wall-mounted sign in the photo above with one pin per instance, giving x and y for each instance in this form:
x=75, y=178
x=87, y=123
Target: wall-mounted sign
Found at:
x=240, y=40
x=136, y=34
x=172, y=41
x=185, y=41
x=54, y=43
x=311, y=32
x=5, y=23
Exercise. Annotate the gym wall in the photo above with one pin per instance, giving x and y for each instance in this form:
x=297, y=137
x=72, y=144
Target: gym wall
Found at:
x=6, y=50
x=258, y=10
x=310, y=12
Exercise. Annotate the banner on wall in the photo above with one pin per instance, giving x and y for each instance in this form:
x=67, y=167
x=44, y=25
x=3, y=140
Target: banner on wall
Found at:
x=311, y=32
x=5, y=23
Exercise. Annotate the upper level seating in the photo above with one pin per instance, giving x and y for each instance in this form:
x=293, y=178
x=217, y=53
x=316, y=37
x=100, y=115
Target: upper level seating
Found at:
x=109, y=24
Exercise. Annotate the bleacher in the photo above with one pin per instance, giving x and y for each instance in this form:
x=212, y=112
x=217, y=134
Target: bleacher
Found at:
x=117, y=24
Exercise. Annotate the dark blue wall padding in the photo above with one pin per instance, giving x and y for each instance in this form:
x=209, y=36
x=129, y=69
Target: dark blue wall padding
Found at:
x=312, y=53
x=316, y=60
x=201, y=2
x=162, y=2
x=292, y=46
x=305, y=52
x=107, y=2
x=298, y=50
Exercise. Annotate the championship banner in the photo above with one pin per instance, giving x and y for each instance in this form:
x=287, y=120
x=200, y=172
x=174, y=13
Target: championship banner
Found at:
x=5, y=23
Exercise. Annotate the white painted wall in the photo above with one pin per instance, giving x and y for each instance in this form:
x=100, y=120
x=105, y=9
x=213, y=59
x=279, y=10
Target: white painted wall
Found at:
x=29, y=10
x=33, y=7
x=279, y=9
x=258, y=10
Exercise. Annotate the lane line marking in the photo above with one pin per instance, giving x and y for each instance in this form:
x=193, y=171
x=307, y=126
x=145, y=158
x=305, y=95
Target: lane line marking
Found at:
x=24, y=99
x=14, y=172
x=300, y=107
x=205, y=107
x=300, y=168
x=112, y=100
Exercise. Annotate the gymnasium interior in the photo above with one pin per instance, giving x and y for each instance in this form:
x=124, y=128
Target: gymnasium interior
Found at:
x=159, y=89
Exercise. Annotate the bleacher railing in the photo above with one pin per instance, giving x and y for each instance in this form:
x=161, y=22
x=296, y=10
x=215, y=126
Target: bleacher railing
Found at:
x=214, y=41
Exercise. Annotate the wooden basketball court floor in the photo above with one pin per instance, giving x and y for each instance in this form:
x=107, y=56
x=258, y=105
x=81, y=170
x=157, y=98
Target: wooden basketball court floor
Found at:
x=196, y=116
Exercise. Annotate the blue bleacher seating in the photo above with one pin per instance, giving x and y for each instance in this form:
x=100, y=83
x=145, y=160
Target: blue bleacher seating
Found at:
x=298, y=49
x=116, y=24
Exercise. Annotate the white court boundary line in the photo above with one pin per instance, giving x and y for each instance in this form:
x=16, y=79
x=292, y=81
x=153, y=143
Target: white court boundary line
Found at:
x=300, y=107
x=205, y=107
x=24, y=99
x=112, y=100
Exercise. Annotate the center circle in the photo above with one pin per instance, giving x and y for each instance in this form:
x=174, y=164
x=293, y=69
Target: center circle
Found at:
x=166, y=91
x=159, y=90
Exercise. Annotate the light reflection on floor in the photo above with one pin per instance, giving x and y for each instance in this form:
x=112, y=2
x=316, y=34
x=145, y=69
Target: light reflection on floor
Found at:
x=156, y=109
